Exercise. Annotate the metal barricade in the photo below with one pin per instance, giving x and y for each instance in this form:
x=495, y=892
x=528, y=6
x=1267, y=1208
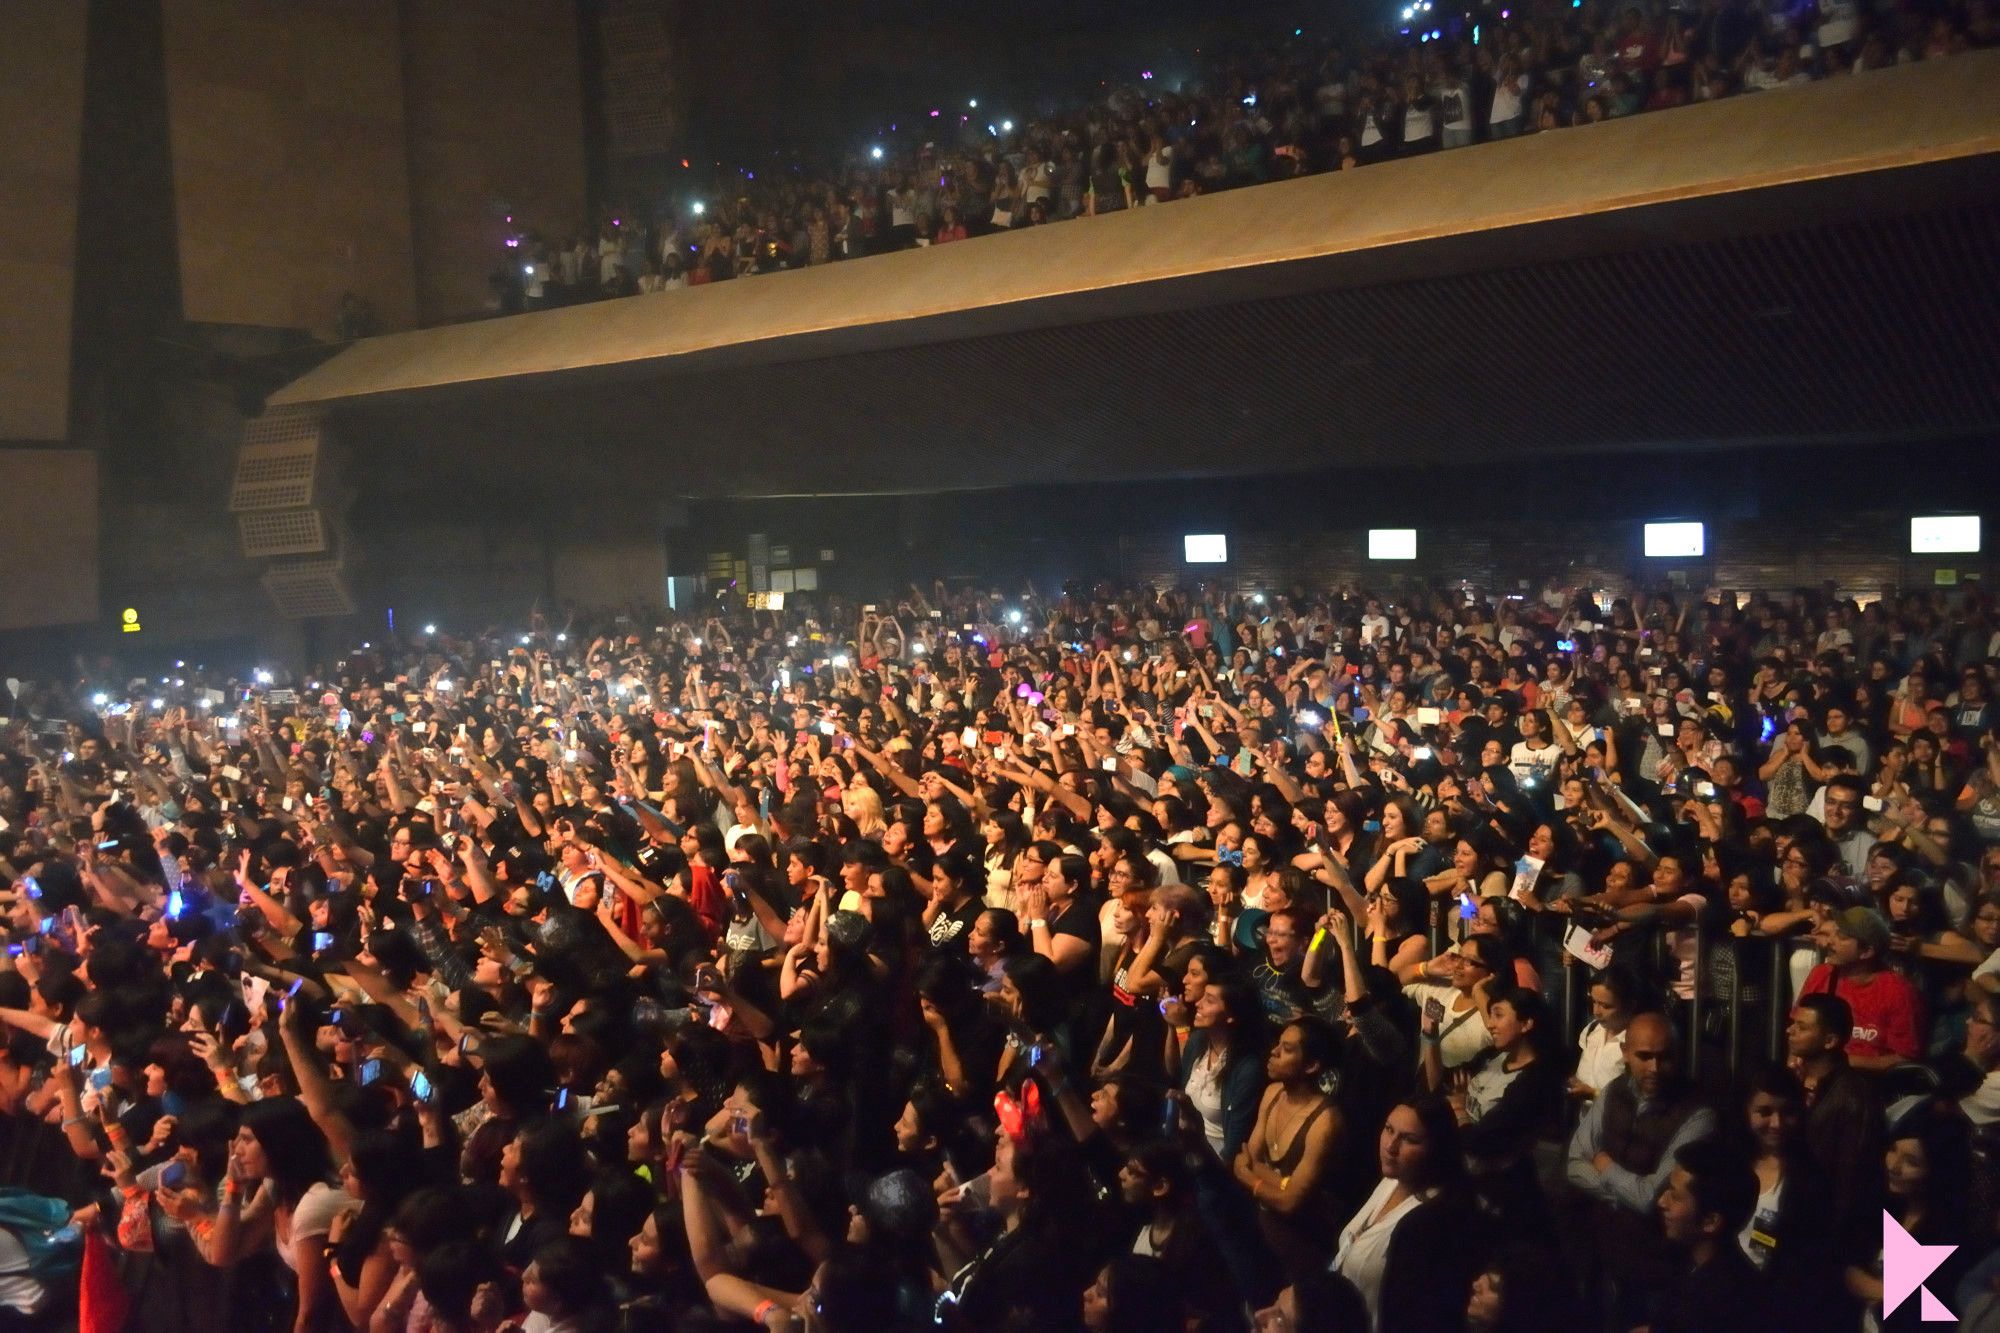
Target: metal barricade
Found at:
x=1695, y=988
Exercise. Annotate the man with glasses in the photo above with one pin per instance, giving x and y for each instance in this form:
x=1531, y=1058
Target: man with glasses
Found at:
x=1847, y=826
x=1982, y=1050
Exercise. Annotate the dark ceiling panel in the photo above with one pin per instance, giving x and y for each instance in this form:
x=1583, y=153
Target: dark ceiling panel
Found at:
x=1876, y=327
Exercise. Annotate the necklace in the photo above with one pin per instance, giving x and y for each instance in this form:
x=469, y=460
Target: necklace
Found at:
x=1273, y=1136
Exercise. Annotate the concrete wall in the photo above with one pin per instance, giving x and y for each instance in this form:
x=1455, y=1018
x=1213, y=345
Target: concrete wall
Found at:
x=48, y=546
x=291, y=179
x=41, y=106
x=494, y=112
x=372, y=146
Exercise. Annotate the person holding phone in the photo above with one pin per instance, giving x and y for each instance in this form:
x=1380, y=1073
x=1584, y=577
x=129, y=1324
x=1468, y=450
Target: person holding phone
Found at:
x=278, y=1194
x=1453, y=1014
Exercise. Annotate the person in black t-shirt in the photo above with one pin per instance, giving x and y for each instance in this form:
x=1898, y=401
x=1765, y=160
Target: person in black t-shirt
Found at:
x=1708, y=1199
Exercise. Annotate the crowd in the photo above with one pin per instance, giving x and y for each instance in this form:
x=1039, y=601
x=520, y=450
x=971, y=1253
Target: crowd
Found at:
x=1531, y=67
x=1117, y=960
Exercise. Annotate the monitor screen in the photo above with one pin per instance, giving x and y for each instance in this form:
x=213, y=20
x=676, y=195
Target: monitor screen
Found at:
x=1392, y=543
x=1206, y=548
x=1945, y=534
x=1674, y=540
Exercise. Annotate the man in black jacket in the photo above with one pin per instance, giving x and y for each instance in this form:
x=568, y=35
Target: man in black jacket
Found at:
x=1844, y=1128
x=1708, y=1199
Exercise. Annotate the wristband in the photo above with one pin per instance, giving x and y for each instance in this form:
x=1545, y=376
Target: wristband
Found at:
x=764, y=1307
x=1038, y=923
x=74, y=1120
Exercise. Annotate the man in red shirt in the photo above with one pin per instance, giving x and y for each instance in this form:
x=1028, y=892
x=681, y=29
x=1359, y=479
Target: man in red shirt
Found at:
x=1888, y=1017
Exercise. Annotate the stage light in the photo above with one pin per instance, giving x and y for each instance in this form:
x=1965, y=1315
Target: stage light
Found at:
x=699, y=208
x=430, y=629
x=973, y=103
x=1006, y=127
x=876, y=153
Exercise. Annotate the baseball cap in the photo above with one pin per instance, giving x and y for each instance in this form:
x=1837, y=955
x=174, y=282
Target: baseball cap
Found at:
x=1864, y=925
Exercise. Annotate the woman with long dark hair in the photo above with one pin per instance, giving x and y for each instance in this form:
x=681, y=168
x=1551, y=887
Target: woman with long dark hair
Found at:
x=1924, y=1177
x=1402, y=1249
x=277, y=1193
x=1038, y=1265
x=381, y=1171
x=1287, y=1163
x=1789, y=1236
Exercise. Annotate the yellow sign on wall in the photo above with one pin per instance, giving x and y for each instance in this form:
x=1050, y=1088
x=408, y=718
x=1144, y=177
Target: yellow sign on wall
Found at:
x=129, y=620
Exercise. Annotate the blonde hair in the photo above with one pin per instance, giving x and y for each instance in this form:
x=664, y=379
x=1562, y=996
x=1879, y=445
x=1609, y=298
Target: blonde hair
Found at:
x=864, y=807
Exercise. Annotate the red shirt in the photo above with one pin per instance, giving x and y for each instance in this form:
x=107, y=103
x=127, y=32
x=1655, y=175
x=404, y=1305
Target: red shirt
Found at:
x=1887, y=1012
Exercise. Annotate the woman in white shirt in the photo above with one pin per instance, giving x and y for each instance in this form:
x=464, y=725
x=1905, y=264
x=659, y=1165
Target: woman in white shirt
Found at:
x=1419, y=1157
x=1601, y=1045
x=277, y=1193
x=1510, y=86
x=1006, y=837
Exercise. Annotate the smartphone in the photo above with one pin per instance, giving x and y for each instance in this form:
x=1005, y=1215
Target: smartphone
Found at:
x=1872, y=804
x=322, y=941
x=1170, y=1115
x=370, y=1071
x=1109, y=765
x=291, y=991
x=76, y=1055
x=1434, y=1009
x=562, y=1099
x=31, y=886
x=336, y=1017
x=176, y=904
x=464, y=1043
x=173, y=1176
x=1467, y=908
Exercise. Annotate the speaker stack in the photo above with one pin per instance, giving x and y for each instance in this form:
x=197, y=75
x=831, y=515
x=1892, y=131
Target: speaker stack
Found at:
x=288, y=513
